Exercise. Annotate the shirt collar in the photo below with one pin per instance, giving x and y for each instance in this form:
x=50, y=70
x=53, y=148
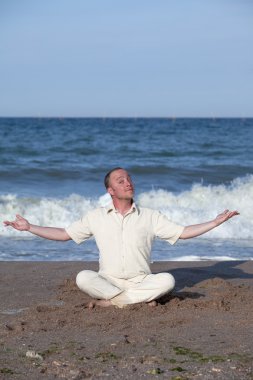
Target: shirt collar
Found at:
x=133, y=208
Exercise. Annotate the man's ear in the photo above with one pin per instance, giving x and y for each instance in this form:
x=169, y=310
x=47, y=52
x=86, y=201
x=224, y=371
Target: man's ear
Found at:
x=110, y=191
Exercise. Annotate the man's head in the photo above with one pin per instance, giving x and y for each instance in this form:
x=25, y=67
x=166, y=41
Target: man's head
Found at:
x=119, y=184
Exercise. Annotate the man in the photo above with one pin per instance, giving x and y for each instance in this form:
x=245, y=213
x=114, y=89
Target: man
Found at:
x=124, y=233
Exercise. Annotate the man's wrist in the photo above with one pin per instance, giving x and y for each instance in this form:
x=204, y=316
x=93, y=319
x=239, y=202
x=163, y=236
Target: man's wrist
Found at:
x=29, y=228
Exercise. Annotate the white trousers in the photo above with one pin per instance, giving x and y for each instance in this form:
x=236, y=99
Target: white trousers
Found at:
x=124, y=292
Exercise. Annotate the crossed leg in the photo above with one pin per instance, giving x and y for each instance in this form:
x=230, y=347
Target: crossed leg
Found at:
x=124, y=292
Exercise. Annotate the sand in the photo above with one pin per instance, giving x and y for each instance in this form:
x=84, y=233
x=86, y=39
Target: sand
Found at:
x=203, y=330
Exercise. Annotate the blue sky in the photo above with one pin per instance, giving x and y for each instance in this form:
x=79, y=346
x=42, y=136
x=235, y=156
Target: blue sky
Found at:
x=126, y=58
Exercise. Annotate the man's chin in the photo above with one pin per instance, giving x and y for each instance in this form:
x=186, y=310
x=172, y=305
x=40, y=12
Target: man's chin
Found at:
x=128, y=197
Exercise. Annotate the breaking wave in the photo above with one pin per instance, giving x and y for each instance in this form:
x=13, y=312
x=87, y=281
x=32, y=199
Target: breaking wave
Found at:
x=199, y=204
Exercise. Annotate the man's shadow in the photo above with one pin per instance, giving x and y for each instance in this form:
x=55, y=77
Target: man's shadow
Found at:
x=187, y=277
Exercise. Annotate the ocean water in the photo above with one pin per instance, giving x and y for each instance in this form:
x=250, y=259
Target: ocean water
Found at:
x=52, y=170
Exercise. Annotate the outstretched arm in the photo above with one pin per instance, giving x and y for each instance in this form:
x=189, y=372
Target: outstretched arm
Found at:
x=200, y=229
x=51, y=233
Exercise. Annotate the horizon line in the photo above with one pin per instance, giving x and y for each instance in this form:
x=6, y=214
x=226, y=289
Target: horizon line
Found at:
x=126, y=117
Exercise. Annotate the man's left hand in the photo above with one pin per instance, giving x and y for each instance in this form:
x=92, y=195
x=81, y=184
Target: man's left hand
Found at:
x=225, y=215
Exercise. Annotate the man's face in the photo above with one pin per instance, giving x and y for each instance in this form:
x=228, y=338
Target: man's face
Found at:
x=121, y=185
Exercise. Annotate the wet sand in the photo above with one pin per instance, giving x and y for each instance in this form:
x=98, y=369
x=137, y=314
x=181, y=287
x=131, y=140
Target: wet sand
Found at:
x=203, y=330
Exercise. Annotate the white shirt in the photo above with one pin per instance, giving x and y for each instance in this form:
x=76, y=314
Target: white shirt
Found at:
x=124, y=242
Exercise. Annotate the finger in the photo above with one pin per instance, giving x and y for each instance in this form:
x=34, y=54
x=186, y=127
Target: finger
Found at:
x=10, y=224
x=19, y=216
x=233, y=213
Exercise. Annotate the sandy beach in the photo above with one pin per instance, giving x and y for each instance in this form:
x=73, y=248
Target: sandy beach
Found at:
x=203, y=330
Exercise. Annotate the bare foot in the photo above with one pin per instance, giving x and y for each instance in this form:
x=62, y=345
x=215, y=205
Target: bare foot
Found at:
x=152, y=303
x=102, y=303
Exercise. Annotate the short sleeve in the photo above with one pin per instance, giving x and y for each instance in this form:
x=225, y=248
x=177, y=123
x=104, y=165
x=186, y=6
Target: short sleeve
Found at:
x=80, y=231
x=166, y=229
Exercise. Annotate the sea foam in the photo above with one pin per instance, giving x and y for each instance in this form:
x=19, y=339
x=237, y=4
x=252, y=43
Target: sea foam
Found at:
x=203, y=203
x=199, y=204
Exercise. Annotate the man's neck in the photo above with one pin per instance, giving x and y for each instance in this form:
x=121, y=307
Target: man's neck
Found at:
x=122, y=205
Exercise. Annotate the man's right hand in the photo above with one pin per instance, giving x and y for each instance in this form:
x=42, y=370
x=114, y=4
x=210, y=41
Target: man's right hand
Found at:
x=20, y=223
x=51, y=233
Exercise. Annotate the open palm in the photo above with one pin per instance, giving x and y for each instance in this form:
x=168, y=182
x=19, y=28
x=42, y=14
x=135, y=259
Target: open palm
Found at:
x=19, y=223
x=225, y=215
